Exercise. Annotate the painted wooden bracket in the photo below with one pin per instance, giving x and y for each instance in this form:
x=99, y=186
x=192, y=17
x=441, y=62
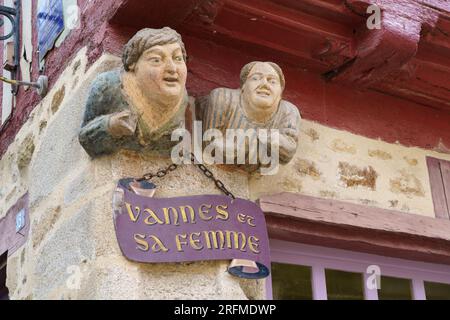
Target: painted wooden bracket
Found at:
x=384, y=53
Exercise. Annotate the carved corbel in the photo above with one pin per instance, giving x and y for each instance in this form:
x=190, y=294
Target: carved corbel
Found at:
x=383, y=52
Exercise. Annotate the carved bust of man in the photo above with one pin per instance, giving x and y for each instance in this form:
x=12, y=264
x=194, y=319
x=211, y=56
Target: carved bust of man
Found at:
x=257, y=104
x=138, y=106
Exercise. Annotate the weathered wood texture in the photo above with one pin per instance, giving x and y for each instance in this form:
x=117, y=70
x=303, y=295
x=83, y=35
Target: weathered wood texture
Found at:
x=439, y=172
x=381, y=53
x=299, y=218
x=445, y=171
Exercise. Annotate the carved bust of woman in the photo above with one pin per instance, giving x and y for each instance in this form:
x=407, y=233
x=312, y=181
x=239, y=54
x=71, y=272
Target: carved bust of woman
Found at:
x=257, y=105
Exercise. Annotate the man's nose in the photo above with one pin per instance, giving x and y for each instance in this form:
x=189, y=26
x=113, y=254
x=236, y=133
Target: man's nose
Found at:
x=264, y=83
x=170, y=66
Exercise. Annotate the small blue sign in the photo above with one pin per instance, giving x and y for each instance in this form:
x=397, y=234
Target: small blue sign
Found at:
x=50, y=19
x=20, y=220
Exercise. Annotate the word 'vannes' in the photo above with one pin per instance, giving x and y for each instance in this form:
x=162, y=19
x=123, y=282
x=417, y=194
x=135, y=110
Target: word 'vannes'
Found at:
x=218, y=239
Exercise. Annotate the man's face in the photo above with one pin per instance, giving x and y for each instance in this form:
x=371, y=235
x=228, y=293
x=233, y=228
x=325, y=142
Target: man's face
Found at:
x=161, y=71
x=263, y=87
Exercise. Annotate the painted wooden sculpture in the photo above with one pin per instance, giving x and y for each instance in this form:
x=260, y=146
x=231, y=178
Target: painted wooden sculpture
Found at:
x=138, y=106
x=256, y=105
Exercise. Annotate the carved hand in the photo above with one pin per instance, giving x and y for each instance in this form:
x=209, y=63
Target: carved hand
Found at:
x=122, y=124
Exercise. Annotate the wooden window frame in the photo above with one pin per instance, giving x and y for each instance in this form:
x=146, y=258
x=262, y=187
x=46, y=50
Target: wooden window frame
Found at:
x=321, y=258
x=304, y=222
x=439, y=172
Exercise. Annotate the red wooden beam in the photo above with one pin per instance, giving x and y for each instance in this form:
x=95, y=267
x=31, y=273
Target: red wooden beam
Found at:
x=155, y=13
x=299, y=218
x=441, y=5
x=383, y=52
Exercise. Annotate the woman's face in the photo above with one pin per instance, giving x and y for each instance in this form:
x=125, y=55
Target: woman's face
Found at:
x=262, y=88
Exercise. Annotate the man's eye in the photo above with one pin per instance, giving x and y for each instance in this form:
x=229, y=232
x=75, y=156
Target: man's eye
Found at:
x=178, y=58
x=273, y=81
x=255, y=77
x=155, y=59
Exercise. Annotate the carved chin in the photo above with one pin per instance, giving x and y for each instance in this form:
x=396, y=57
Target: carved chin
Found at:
x=263, y=102
x=171, y=87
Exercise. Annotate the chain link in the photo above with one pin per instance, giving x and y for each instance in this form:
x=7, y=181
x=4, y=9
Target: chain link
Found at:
x=159, y=174
x=163, y=172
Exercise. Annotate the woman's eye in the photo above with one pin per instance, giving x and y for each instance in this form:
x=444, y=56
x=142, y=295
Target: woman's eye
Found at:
x=255, y=77
x=155, y=60
x=179, y=59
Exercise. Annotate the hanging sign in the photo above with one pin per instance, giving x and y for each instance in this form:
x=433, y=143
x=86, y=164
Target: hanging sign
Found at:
x=205, y=227
x=50, y=24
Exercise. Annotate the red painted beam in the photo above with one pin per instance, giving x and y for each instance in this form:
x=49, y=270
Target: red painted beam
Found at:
x=441, y=5
x=383, y=52
x=333, y=10
x=155, y=13
x=304, y=39
x=424, y=82
x=299, y=218
x=377, y=59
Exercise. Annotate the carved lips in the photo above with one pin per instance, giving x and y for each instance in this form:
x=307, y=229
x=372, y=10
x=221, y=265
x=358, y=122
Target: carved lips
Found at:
x=263, y=92
x=171, y=81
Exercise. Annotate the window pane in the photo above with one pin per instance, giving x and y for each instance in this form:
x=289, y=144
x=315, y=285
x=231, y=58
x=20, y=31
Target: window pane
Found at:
x=342, y=285
x=394, y=289
x=291, y=282
x=437, y=291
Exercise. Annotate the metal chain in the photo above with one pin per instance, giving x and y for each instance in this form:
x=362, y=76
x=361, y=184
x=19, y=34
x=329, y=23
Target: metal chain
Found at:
x=163, y=172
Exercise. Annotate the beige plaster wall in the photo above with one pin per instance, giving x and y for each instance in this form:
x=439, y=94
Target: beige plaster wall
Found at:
x=336, y=164
x=72, y=252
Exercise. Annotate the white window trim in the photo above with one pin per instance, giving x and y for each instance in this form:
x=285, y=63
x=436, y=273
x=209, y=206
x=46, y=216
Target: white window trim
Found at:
x=321, y=258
